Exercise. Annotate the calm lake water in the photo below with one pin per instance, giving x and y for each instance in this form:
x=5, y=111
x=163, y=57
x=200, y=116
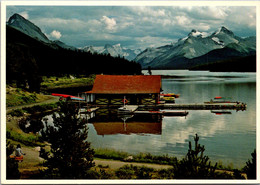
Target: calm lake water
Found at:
x=229, y=138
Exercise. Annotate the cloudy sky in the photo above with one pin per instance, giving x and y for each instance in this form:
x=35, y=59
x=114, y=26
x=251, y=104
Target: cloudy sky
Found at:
x=134, y=26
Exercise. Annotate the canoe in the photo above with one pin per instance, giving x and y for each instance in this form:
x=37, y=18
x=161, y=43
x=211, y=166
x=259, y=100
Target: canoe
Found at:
x=68, y=96
x=170, y=95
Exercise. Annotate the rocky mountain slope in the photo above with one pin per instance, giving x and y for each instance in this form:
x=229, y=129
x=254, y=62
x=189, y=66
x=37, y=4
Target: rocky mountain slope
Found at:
x=114, y=50
x=198, y=48
x=20, y=23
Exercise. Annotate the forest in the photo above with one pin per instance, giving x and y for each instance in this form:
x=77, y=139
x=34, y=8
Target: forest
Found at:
x=236, y=64
x=28, y=59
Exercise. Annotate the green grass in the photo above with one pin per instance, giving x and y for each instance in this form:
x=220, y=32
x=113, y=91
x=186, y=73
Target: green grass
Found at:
x=65, y=82
x=110, y=154
x=34, y=109
x=141, y=157
x=17, y=97
x=26, y=139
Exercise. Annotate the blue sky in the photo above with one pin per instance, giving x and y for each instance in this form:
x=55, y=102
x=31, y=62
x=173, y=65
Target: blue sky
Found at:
x=134, y=26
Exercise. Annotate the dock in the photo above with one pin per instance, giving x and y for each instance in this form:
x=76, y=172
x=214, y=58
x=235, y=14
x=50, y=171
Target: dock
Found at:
x=164, y=113
x=198, y=106
x=140, y=109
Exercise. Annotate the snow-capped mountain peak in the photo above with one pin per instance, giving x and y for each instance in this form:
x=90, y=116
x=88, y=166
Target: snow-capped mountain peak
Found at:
x=196, y=44
x=196, y=33
x=114, y=50
x=223, y=30
x=18, y=22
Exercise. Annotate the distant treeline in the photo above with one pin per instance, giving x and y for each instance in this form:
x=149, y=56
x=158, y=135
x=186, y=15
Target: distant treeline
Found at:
x=237, y=64
x=28, y=59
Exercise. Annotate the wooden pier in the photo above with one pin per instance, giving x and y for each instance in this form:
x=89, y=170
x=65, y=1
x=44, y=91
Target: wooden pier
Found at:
x=198, y=106
x=164, y=113
x=173, y=106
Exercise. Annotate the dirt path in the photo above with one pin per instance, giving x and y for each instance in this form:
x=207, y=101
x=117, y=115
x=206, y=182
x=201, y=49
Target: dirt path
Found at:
x=32, y=163
x=51, y=99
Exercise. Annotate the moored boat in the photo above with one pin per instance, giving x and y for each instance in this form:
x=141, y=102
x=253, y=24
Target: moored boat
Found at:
x=167, y=99
x=170, y=95
x=67, y=96
x=124, y=110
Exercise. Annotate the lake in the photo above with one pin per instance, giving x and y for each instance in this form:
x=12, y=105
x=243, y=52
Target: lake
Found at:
x=229, y=138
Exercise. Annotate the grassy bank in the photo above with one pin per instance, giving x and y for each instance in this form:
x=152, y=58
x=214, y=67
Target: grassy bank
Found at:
x=41, y=108
x=17, y=97
x=66, y=82
x=105, y=153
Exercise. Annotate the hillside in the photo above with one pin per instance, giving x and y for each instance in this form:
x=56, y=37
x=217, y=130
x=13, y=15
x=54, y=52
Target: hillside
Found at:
x=28, y=59
x=239, y=64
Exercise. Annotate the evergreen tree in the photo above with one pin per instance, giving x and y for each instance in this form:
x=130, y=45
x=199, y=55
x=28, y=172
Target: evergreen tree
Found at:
x=71, y=156
x=195, y=165
x=250, y=167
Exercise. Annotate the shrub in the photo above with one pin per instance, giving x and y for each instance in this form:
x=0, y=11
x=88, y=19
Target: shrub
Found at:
x=125, y=172
x=143, y=172
x=166, y=173
x=134, y=172
x=17, y=112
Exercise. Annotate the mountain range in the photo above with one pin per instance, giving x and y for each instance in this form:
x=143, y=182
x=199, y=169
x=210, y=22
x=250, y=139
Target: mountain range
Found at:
x=195, y=50
x=114, y=50
x=198, y=48
x=20, y=23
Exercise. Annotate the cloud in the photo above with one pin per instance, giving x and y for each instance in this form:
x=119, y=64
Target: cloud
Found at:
x=24, y=14
x=55, y=34
x=154, y=25
x=66, y=25
x=109, y=22
x=182, y=20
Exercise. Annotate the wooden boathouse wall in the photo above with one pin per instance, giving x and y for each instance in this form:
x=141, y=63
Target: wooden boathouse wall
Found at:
x=131, y=99
x=136, y=89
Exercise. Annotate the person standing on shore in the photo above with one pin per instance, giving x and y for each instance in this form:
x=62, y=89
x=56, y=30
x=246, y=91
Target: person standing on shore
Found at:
x=18, y=151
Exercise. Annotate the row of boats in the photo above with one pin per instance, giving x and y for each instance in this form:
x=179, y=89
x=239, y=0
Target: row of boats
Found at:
x=168, y=98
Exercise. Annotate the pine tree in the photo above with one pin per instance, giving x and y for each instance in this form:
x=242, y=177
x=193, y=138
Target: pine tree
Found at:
x=71, y=156
x=195, y=165
x=250, y=167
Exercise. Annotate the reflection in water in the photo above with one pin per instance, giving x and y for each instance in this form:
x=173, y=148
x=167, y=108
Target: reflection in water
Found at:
x=108, y=122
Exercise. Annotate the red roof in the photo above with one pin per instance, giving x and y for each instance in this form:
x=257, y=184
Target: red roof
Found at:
x=126, y=84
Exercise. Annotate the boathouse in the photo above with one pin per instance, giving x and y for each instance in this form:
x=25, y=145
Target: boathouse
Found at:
x=131, y=89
